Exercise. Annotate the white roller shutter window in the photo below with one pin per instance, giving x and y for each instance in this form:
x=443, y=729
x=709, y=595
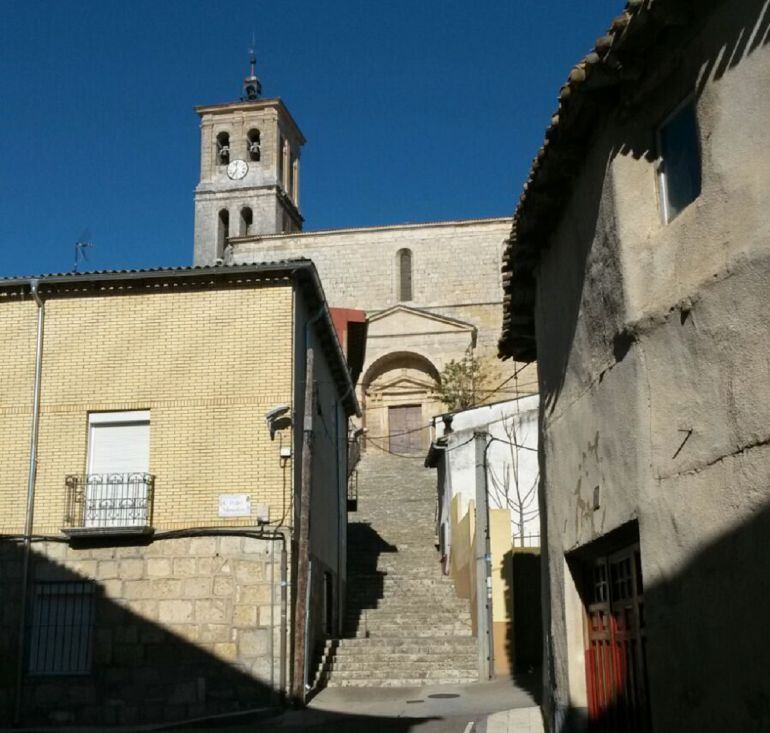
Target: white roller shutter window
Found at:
x=119, y=442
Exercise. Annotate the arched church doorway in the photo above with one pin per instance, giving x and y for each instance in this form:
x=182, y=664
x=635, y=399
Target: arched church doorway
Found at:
x=399, y=401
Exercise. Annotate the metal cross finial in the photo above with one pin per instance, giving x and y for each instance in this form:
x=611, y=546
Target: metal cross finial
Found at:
x=252, y=87
x=253, y=55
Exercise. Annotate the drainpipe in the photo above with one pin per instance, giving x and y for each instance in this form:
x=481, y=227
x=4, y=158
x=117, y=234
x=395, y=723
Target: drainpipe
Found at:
x=282, y=534
x=284, y=606
x=32, y=476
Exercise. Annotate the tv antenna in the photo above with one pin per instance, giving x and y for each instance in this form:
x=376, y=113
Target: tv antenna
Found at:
x=83, y=243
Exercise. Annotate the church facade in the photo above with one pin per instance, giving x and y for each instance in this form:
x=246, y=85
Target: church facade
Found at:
x=431, y=291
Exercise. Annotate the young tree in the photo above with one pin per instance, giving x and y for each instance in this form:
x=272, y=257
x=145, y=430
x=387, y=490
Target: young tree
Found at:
x=462, y=381
x=511, y=489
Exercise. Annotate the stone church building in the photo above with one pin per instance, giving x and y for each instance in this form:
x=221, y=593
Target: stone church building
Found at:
x=431, y=291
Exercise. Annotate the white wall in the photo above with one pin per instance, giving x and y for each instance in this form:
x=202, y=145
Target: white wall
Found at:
x=512, y=470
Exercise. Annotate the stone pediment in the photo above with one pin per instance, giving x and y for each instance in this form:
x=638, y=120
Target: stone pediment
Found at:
x=403, y=383
x=402, y=320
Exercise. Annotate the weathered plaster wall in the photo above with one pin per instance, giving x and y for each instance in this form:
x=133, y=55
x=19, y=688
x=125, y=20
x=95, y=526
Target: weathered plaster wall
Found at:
x=654, y=380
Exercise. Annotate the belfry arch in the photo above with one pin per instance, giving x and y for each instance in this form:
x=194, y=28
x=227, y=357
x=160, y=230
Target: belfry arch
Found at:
x=399, y=400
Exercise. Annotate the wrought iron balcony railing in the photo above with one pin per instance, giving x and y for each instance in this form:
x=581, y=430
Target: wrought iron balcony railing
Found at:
x=109, y=502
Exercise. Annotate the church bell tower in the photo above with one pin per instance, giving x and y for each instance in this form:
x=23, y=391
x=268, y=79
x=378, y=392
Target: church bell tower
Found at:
x=249, y=179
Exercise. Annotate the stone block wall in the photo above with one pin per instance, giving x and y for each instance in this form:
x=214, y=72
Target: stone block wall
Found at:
x=181, y=628
x=455, y=273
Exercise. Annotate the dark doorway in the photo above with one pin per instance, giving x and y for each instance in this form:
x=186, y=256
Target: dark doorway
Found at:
x=525, y=653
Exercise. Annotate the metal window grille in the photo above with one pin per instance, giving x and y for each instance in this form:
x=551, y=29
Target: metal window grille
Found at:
x=61, y=633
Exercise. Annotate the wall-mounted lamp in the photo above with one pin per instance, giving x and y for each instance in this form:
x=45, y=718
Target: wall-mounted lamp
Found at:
x=277, y=419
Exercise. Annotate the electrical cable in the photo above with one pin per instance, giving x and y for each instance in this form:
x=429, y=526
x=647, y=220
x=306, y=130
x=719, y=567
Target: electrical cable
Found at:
x=515, y=445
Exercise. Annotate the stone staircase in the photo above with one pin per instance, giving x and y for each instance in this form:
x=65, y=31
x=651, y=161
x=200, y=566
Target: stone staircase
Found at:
x=404, y=625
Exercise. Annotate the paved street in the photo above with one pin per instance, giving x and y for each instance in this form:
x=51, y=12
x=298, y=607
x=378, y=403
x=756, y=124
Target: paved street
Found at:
x=430, y=709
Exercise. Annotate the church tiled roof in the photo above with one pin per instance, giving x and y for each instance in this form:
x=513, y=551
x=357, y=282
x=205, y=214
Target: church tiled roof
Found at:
x=621, y=59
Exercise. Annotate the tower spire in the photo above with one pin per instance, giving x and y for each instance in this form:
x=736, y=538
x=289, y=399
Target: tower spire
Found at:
x=252, y=87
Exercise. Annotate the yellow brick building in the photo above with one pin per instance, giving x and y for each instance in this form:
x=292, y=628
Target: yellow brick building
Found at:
x=161, y=507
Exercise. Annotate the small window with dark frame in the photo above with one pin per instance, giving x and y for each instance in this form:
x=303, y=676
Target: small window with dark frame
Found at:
x=679, y=166
x=61, y=629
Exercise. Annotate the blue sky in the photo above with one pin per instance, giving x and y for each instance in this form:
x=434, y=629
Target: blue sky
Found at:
x=414, y=110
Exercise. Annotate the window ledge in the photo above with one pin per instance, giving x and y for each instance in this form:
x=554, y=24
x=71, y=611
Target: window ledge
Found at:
x=76, y=533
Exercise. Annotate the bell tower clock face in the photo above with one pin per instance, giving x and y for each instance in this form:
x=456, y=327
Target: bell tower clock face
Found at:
x=237, y=169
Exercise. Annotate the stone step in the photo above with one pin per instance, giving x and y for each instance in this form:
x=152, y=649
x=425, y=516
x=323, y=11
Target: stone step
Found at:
x=426, y=600
x=420, y=651
x=348, y=670
x=415, y=674
x=373, y=580
x=395, y=607
x=409, y=617
x=378, y=571
x=438, y=660
x=444, y=644
x=465, y=660
x=430, y=557
x=398, y=682
x=424, y=604
x=402, y=565
x=440, y=604
x=385, y=631
x=406, y=625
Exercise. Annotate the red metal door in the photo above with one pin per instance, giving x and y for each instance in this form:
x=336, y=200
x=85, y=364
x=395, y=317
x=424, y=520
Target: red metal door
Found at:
x=405, y=429
x=615, y=658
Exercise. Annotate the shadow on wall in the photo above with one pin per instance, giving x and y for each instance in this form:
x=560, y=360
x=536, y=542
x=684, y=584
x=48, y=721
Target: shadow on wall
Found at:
x=130, y=670
x=708, y=643
x=524, y=643
x=591, y=257
x=366, y=583
x=524, y=635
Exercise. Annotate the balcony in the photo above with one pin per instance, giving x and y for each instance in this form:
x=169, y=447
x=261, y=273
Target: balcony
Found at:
x=108, y=504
